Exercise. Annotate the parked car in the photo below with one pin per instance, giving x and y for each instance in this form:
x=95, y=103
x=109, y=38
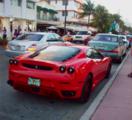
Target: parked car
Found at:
x=129, y=37
x=109, y=45
x=32, y=41
x=82, y=37
x=68, y=38
x=70, y=72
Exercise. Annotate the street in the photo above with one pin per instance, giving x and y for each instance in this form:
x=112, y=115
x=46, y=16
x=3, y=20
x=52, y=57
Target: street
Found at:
x=15, y=105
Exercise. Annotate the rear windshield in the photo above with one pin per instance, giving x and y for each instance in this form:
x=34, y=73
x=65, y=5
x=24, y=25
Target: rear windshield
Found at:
x=129, y=36
x=56, y=53
x=30, y=37
x=107, y=38
x=82, y=33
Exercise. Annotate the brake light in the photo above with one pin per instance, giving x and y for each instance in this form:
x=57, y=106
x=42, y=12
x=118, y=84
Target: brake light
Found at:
x=32, y=48
x=13, y=61
x=115, y=50
x=71, y=70
x=62, y=69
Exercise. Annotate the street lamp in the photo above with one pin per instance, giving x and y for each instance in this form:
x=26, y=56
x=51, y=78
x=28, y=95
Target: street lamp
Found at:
x=65, y=3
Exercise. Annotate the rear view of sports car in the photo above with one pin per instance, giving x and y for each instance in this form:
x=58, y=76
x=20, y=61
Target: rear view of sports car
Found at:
x=70, y=72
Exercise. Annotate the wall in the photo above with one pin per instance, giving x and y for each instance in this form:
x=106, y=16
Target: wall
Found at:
x=1, y=9
x=72, y=7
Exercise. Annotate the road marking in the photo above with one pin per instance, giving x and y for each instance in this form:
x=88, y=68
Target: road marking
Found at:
x=97, y=101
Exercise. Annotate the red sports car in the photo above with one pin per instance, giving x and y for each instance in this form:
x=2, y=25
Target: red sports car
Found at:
x=70, y=72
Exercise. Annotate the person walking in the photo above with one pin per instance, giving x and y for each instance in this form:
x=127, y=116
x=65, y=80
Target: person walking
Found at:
x=19, y=30
x=15, y=34
x=4, y=33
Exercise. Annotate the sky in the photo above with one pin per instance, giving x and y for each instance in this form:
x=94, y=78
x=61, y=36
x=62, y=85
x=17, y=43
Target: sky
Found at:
x=122, y=7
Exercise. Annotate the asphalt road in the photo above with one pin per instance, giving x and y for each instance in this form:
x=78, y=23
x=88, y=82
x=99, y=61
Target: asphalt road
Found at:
x=16, y=105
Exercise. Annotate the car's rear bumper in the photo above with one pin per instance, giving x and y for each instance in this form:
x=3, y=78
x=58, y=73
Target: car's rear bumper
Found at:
x=60, y=87
x=114, y=56
x=11, y=53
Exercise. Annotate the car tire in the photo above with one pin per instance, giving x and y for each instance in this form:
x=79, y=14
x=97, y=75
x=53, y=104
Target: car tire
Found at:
x=108, y=70
x=86, y=90
x=120, y=59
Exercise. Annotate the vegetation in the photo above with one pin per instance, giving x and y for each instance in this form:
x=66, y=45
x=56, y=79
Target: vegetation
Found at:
x=88, y=10
x=102, y=19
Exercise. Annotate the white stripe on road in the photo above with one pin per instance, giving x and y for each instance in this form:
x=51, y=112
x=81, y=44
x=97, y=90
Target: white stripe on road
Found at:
x=94, y=105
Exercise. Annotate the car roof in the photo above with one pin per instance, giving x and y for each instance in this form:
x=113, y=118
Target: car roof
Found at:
x=107, y=34
x=81, y=47
x=40, y=33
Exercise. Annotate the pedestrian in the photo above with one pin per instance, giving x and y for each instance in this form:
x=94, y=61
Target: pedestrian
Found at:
x=19, y=30
x=114, y=28
x=15, y=33
x=4, y=33
x=130, y=74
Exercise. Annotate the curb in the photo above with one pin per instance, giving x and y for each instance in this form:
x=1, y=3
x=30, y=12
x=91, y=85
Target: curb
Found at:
x=97, y=101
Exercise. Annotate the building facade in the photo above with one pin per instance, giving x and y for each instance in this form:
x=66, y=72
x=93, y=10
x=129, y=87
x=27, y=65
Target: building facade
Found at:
x=46, y=15
x=72, y=7
x=17, y=13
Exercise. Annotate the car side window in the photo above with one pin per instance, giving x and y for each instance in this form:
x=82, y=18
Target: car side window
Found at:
x=50, y=37
x=56, y=36
x=120, y=41
x=91, y=53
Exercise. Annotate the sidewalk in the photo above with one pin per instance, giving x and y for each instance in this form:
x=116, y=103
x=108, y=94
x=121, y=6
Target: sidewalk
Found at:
x=117, y=104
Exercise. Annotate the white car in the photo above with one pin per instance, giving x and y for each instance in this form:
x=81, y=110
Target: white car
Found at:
x=126, y=42
x=82, y=37
x=32, y=41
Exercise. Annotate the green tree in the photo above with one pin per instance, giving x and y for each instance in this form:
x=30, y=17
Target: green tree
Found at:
x=88, y=10
x=101, y=18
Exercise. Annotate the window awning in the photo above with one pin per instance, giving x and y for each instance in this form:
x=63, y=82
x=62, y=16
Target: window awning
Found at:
x=43, y=6
x=39, y=8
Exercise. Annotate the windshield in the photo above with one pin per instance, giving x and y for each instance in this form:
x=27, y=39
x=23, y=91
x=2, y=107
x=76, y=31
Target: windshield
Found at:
x=82, y=33
x=56, y=53
x=106, y=38
x=129, y=36
x=30, y=37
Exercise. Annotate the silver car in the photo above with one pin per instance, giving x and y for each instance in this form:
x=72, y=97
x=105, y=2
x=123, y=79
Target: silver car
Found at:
x=27, y=41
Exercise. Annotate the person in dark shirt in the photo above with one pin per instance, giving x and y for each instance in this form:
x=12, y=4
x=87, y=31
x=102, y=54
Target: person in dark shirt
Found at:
x=4, y=33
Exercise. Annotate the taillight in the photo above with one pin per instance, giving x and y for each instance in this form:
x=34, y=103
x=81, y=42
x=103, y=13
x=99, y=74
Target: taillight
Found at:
x=13, y=61
x=62, y=69
x=71, y=70
x=32, y=48
x=115, y=50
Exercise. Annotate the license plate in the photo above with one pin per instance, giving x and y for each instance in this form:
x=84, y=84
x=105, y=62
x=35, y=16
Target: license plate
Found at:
x=34, y=82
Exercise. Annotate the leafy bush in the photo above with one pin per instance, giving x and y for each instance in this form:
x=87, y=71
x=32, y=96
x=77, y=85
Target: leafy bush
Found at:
x=1, y=38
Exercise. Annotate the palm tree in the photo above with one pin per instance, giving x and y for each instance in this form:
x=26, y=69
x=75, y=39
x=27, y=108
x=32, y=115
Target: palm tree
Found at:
x=101, y=18
x=88, y=9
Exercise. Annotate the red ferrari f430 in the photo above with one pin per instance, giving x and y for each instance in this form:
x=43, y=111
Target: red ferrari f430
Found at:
x=70, y=72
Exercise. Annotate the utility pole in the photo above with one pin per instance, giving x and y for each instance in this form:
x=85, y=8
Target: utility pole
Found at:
x=65, y=3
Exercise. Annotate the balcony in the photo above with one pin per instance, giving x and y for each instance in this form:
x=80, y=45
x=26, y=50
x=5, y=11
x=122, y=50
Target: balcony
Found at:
x=46, y=17
x=30, y=14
